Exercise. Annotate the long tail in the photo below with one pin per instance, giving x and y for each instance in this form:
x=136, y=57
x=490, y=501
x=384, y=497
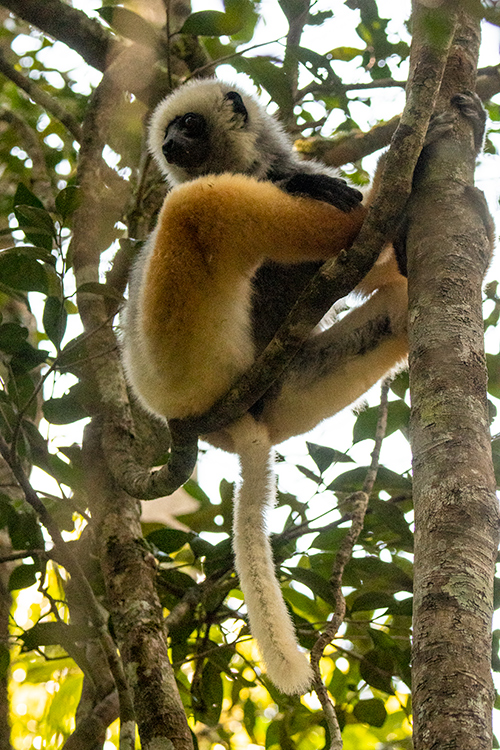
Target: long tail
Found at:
x=270, y=622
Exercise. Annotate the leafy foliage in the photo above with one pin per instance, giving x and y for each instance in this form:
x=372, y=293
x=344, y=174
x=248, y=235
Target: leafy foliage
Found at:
x=46, y=384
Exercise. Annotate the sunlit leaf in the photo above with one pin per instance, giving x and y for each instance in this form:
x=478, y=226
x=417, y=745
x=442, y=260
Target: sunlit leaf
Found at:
x=371, y=711
x=130, y=24
x=211, y=23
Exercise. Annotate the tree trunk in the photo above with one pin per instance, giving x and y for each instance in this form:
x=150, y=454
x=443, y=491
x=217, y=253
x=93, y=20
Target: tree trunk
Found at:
x=130, y=574
x=456, y=511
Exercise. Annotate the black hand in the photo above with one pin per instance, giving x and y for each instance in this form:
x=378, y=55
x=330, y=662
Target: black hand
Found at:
x=324, y=188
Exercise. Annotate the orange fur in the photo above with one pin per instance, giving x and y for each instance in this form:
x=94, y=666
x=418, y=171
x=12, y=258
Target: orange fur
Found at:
x=197, y=279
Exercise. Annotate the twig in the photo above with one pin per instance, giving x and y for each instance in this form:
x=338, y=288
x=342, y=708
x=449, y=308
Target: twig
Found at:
x=220, y=60
x=65, y=558
x=38, y=95
x=60, y=21
x=358, y=501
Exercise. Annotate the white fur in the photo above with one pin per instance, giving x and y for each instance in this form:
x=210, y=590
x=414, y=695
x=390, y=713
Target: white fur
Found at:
x=270, y=622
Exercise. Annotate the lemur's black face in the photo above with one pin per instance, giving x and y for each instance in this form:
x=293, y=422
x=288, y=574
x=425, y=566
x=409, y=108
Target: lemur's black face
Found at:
x=187, y=141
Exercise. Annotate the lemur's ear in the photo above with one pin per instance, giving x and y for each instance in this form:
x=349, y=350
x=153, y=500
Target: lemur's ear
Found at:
x=237, y=103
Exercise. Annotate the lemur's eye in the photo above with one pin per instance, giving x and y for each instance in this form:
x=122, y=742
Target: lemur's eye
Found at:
x=193, y=124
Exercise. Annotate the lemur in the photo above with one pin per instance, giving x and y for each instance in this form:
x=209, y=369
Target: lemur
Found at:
x=245, y=226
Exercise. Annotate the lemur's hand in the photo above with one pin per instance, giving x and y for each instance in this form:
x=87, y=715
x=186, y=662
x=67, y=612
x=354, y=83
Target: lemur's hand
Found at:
x=322, y=187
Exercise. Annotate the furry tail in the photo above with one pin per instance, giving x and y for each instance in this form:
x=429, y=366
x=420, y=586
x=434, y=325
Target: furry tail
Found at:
x=270, y=622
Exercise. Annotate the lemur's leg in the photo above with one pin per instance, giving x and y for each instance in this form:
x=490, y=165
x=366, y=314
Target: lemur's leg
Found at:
x=340, y=364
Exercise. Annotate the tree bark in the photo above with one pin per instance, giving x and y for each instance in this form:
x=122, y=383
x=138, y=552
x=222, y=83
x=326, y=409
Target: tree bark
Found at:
x=456, y=511
x=130, y=574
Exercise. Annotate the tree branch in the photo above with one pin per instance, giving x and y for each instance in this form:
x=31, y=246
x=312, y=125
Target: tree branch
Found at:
x=38, y=95
x=71, y=26
x=357, y=503
x=352, y=147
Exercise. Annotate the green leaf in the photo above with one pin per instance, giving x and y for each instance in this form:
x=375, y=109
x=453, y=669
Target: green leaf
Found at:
x=200, y=547
x=23, y=273
x=371, y=600
x=51, y=463
x=324, y=457
x=68, y=200
x=385, y=521
x=344, y=53
x=219, y=557
x=35, y=218
x=130, y=24
x=27, y=358
x=403, y=608
x=308, y=473
x=247, y=13
x=265, y=73
x=352, y=481
x=211, y=23
x=12, y=337
x=56, y=633
x=54, y=319
x=39, y=253
x=169, y=540
x=24, y=196
x=23, y=576
x=377, y=669
x=249, y=717
x=318, y=585
x=209, y=704
x=176, y=581
x=24, y=530
x=331, y=539
x=317, y=19
x=371, y=711
x=378, y=575
x=273, y=734
x=69, y=408
x=398, y=416
x=401, y=383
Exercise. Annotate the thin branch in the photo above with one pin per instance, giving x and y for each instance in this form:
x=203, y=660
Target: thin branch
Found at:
x=65, y=558
x=352, y=147
x=38, y=95
x=71, y=26
x=296, y=15
x=371, y=474
x=91, y=730
x=348, y=148
x=196, y=73
x=22, y=555
x=358, y=502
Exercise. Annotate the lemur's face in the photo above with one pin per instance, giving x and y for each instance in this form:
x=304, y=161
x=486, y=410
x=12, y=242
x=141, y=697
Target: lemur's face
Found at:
x=188, y=137
x=186, y=141
x=203, y=130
